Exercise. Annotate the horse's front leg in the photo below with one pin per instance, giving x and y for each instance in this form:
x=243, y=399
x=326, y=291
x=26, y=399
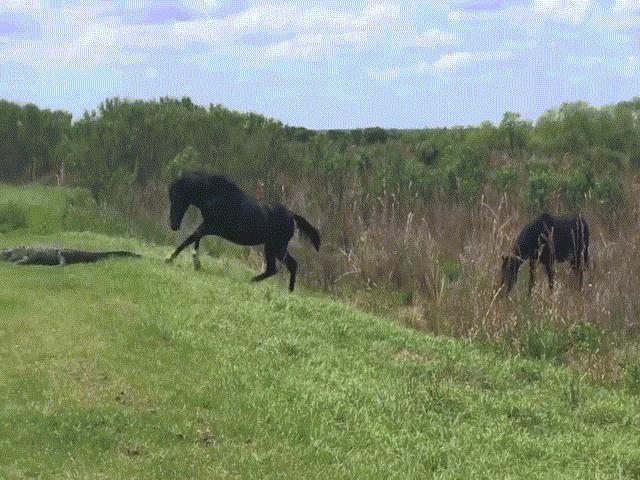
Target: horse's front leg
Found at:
x=578, y=269
x=550, y=273
x=194, y=237
x=532, y=274
x=271, y=266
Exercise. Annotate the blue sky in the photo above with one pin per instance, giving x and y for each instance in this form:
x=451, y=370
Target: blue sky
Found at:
x=325, y=64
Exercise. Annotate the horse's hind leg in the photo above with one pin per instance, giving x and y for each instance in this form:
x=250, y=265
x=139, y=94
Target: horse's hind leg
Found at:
x=580, y=273
x=195, y=255
x=578, y=268
x=271, y=266
x=292, y=266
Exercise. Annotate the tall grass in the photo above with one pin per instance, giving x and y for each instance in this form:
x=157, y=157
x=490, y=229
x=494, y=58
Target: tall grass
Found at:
x=433, y=263
x=436, y=263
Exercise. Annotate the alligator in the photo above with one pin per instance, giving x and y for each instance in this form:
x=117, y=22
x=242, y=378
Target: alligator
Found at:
x=54, y=255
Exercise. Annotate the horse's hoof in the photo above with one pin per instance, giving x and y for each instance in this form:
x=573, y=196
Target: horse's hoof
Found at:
x=168, y=259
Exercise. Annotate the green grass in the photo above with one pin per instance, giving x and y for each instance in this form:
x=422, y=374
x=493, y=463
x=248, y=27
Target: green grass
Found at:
x=132, y=368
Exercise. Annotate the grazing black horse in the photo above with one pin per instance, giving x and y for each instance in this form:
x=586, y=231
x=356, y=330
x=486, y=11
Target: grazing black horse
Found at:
x=548, y=239
x=230, y=214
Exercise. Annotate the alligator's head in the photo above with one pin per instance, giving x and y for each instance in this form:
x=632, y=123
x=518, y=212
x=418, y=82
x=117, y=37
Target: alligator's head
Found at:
x=6, y=254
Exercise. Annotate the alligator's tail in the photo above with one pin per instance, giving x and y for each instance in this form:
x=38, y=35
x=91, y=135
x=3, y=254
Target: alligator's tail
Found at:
x=309, y=230
x=74, y=256
x=121, y=253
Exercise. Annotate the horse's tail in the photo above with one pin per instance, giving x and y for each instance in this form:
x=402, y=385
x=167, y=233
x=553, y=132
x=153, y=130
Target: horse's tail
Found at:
x=309, y=230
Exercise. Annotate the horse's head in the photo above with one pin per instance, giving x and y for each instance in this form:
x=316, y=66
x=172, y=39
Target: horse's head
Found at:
x=509, y=272
x=180, y=199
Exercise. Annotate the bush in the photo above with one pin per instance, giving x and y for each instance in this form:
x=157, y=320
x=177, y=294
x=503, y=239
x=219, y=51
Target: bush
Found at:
x=12, y=217
x=541, y=186
x=632, y=378
x=574, y=189
x=462, y=171
x=544, y=343
x=506, y=177
x=452, y=270
x=606, y=160
x=585, y=337
x=609, y=194
x=426, y=153
x=375, y=135
x=188, y=159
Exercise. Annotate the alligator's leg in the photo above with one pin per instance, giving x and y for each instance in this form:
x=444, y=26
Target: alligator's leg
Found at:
x=62, y=259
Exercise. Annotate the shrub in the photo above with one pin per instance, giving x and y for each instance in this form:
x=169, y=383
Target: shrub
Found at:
x=575, y=188
x=609, y=194
x=541, y=186
x=375, y=135
x=632, y=378
x=426, y=153
x=12, y=217
x=462, y=171
x=356, y=136
x=452, y=270
x=188, y=159
x=544, y=342
x=506, y=177
x=585, y=337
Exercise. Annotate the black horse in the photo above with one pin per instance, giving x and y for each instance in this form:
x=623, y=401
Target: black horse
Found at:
x=230, y=214
x=548, y=239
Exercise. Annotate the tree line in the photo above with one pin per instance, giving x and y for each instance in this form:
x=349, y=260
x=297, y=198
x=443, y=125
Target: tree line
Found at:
x=570, y=156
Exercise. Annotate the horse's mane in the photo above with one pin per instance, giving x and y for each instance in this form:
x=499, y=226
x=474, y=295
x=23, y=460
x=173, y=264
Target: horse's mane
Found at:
x=208, y=182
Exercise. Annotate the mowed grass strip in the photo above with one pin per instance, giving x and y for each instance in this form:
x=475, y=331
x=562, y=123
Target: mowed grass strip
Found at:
x=131, y=368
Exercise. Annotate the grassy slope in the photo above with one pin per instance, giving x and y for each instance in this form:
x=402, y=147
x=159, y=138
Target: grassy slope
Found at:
x=136, y=369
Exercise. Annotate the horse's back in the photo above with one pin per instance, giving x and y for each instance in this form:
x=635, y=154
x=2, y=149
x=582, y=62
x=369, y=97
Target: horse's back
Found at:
x=571, y=236
x=565, y=235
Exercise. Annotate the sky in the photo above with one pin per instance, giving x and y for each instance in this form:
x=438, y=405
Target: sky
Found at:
x=325, y=64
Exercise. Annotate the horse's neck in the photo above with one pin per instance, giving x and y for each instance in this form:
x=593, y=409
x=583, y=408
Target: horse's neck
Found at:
x=208, y=203
x=199, y=203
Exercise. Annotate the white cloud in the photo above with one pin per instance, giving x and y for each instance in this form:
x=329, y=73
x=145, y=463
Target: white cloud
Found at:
x=433, y=37
x=307, y=46
x=201, y=5
x=21, y=5
x=96, y=32
x=446, y=64
x=627, y=6
x=450, y=62
x=564, y=10
x=286, y=18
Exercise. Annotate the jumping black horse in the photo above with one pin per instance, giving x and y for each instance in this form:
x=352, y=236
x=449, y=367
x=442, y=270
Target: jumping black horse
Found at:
x=228, y=213
x=548, y=239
